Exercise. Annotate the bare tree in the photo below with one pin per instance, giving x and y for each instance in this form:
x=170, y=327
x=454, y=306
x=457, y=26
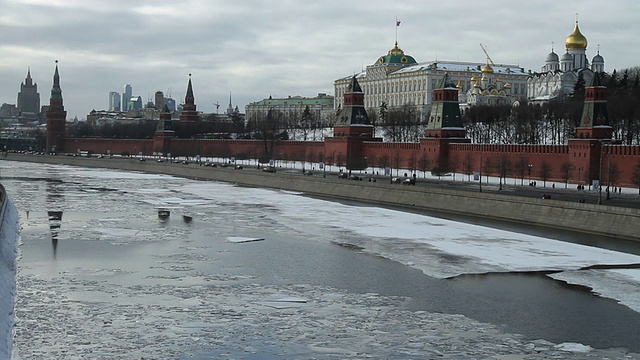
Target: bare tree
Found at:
x=384, y=161
x=545, y=172
x=453, y=165
x=566, y=169
x=521, y=166
x=467, y=165
x=635, y=177
x=423, y=164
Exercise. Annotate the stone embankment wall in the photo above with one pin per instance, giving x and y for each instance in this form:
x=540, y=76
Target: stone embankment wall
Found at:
x=579, y=217
x=9, y=232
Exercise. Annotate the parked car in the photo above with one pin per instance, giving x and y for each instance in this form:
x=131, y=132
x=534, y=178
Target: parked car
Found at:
x=355, y=177
x=409, y=181
x=396, y=180
x=239, y=167
x=343, y=175
x=270, y=169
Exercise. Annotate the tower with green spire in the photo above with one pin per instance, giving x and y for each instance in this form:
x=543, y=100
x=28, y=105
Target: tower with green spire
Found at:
x=352, y=128
x=56, y=116
x=445, y=120
x=444, y=126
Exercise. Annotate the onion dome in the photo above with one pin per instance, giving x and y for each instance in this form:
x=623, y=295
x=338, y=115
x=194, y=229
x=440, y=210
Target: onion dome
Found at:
x=397, y=57
x=567, y=57
x=552, y=57
x=474, y=78
x=576, y=40
x=484, y=78
x=476, y=85
x=459, y=85
x=499, y=79
x=507, y=86
x=487, y=69
x=597, y=59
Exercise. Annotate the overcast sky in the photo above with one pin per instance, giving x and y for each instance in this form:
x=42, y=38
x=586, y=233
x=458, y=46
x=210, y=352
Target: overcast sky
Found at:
x=254, y=49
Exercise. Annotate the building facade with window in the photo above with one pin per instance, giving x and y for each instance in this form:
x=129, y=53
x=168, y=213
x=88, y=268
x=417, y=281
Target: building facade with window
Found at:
x=321, y=107
x=397, y=79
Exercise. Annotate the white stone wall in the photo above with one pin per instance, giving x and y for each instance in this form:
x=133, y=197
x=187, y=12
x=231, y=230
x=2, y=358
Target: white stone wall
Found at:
x=9, y=234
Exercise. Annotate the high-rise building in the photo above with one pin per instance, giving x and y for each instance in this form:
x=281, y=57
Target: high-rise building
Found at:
x=171, y=103
x=134, y=103
x=28, y=97
x=159, y=100
x=114, y=101
x=127, y=92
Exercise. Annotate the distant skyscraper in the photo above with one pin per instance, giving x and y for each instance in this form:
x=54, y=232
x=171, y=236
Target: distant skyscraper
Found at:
x=28, y=97
x=114, y=101
x=171, y=104
x=159, y=100
x=127, y=92
x=135, y=103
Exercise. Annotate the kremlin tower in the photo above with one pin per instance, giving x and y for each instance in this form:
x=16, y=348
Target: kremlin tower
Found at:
x=189, y=113
x=56, y=117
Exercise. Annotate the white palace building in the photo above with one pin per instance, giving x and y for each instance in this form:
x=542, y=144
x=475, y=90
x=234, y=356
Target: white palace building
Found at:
x=397, y=79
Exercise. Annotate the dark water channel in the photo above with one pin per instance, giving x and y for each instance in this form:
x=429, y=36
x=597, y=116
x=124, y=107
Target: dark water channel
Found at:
x=530, y=304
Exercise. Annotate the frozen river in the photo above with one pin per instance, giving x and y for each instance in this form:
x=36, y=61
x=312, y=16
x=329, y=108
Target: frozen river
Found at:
x=325, y=281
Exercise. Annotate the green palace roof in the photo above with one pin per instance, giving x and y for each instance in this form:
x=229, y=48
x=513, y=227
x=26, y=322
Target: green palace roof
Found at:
x=396, y=56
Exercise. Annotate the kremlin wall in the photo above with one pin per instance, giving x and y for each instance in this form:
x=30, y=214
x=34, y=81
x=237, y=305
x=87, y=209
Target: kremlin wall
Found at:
x=444, y=148
x=590, y=157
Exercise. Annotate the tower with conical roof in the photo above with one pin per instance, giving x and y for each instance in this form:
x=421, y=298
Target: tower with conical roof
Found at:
x=445, y=120
x=189, y=113
x=28, y=97
x=594, y=123
x=352, y=128
x=445, y=124
x=594, y=132
x=56, y=116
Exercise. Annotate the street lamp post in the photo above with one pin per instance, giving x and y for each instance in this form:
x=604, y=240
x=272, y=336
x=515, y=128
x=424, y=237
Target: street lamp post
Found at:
x=480, y=173
x=500, y=174
x=530, y=168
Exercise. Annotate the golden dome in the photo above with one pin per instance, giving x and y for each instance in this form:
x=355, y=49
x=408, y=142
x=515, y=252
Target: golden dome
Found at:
x=499, y=79
x=576, y=40
x=474, y=78
x=484, y=78
x=459, y=85
x=476, y=85
x=487, y=69
x=396, y=50
x=507, y=86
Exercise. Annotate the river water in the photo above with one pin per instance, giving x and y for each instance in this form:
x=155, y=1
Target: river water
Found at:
x=115, y=281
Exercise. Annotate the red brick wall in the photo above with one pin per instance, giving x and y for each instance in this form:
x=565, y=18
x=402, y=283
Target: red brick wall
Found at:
x=582, y=154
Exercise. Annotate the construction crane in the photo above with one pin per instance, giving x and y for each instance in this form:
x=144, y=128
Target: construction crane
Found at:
x=486, y=53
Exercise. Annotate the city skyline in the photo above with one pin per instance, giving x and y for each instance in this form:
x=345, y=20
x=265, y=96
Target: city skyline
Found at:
x=292, y=49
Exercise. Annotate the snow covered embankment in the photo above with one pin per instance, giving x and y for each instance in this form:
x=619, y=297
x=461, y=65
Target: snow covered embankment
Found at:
x=9, y=232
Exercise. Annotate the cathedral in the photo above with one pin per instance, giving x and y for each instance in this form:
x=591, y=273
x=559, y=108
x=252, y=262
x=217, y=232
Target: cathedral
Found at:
x=559, y=75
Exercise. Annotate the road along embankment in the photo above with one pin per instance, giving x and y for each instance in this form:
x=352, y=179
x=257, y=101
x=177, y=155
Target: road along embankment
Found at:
x=593, y=219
